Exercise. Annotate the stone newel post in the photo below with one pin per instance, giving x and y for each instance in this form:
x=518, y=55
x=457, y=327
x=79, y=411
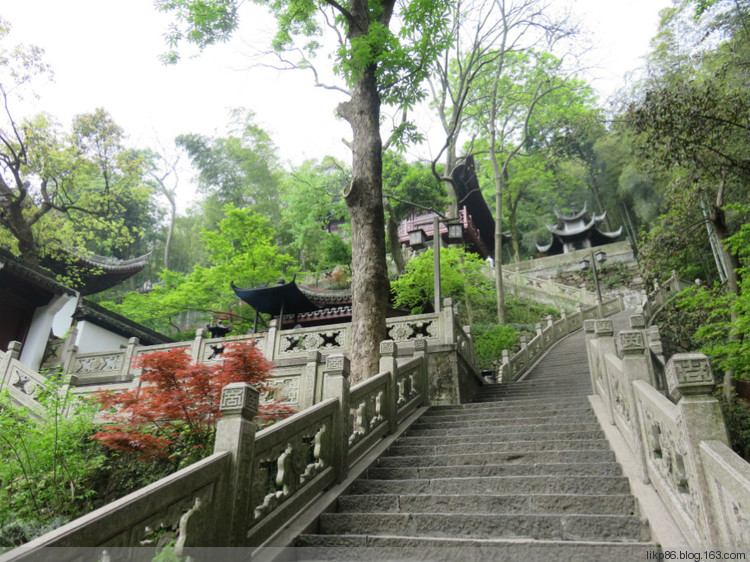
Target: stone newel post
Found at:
x=690, y=383
x=235, y=432
x=336, y=385
x=389, y=362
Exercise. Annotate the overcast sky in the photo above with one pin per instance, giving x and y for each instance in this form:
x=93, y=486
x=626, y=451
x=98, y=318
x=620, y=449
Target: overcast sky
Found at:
x=104, y=53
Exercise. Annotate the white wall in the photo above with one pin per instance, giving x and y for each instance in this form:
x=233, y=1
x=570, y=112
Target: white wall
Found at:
x=93, y=338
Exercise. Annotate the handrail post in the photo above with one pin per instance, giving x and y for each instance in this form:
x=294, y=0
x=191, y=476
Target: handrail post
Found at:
x=690, y=382
x=235, y=432
x=420, y=350
x=389, y=363
x=631, y=347
x=604, y=332
x=336, y=385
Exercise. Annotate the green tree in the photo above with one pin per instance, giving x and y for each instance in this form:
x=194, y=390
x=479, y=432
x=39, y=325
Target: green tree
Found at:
x=241, y=250
x=384, y=55
x=462, y=277
x=241, y=169
x=313, y=208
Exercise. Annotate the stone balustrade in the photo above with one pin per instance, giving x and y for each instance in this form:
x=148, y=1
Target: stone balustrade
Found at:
x=513, y=367
x=674, y=428
x=298, y=357
x=254, y=485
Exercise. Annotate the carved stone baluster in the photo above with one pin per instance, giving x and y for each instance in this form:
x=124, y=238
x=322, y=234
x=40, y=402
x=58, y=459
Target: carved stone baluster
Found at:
x=690, y=382
x=337, y=385
x=389, y=363
x=235, y=432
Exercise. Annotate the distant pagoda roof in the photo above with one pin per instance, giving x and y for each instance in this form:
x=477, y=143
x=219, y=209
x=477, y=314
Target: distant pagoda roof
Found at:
x=575, y=231
x=98, y=273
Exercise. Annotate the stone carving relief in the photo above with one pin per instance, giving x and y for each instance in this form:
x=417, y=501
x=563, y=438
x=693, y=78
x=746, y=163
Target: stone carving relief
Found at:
x=111, y=363
x=402, y=331
x=332, y=339
x=688, y=373
x=285, y=389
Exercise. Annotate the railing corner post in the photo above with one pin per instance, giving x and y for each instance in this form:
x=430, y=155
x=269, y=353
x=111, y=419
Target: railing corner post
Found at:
x=195, y=348
x=420, y=350
x=336, y=385
x=235, y=433
x=690, y=382
x=389, y=363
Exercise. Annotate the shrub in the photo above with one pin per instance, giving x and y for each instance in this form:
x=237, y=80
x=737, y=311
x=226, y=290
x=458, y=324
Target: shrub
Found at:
x=489, y=343
x=173, y=414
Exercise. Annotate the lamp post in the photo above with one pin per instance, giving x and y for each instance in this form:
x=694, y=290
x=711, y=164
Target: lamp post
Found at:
x=455, y=233
x=599, y=257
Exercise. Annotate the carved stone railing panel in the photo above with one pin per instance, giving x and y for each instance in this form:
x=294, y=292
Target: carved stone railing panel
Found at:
x=411, y=328
x=331, y=339
x=24, y=385
x=408, y=385
x=288, y=456
x=728, y=478
x=367, y=403
x=670, y=465
x=211, y=349
x=94, y=368
x=183, y=507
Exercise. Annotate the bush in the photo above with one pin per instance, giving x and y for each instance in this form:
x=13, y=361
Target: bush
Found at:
x=47, y=462
x=489, y=343
x=173, y=414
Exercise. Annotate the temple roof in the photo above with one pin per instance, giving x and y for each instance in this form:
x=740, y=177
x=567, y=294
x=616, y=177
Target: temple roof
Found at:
x=98, y=273
x=574, y=227
x=285, y=297
x=92, y=312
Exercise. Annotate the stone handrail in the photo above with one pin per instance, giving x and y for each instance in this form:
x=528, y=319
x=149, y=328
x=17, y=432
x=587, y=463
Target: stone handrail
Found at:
x=253, y=485
x=297, y=354
x=546, y=291
x=661, y=295
x=21, y=382
x=513, y=367
x=677, y=434
x=186, y=506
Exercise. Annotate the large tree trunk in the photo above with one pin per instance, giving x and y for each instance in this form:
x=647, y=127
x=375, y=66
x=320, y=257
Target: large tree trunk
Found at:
x=364, y=201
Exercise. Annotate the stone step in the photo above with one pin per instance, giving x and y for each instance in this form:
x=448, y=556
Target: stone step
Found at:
x=381, y=548
x=504, y=426
x=575, y=401
x=510, y=457
x=529, y=526
x=508, y=469
x=601, y=485
x=505, y=412
x=479, y=435
x=530, y=418
x=540, y=398
x=618, y=504
x=494, y=445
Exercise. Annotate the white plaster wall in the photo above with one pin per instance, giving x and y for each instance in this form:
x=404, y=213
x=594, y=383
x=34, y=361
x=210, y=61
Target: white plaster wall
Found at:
x=64, y=318
x=93, y=338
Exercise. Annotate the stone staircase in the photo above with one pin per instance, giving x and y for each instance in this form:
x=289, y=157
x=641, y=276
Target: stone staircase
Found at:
x=522, y=473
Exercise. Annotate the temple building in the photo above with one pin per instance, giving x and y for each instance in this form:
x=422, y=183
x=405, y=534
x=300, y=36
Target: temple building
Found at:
x=577, y=231
x=474, y=216
x=39, y=312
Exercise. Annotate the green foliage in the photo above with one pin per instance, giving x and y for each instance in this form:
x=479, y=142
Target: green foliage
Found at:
x=526, y=313
x=241, y=250
x=462, y=278
x=737, y=419
x=47, y=462
x=313, y=207
x=489, y=343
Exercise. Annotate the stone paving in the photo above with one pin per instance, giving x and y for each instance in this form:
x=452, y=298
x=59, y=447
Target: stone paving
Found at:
x=523, y=472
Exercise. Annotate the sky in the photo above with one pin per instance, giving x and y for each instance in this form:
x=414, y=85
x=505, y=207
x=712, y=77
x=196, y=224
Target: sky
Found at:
x=104, y=53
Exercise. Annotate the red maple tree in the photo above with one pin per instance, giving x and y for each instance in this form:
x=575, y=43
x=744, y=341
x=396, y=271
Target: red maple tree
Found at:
x=173, y=413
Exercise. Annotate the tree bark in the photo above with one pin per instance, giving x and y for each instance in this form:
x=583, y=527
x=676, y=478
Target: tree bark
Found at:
x=364, y=201
x=393, y=240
